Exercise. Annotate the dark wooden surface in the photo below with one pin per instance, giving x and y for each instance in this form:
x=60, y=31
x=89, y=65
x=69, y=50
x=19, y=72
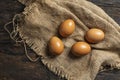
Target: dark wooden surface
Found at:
x=13, y=63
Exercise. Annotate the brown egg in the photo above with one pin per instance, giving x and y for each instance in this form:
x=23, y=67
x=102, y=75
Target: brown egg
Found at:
x=67, y=28
x=81, y=48
x=94, y=35
x=56, y=46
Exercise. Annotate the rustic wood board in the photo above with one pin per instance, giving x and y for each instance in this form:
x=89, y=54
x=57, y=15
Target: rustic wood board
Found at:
x=13, y=63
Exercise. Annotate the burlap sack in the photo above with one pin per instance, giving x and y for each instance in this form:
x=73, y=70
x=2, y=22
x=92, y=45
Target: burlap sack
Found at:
x=40, y=21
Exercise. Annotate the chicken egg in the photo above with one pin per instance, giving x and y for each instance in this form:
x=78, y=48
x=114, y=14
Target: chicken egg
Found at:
x=94, y=35
x=67, y=28
x=56, y=46
x=80, y=48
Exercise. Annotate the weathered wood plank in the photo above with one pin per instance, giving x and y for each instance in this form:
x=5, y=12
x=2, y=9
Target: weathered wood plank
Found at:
x=111, y=7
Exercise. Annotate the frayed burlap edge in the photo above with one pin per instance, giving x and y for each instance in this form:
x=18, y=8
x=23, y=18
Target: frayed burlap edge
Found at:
x=57, y=70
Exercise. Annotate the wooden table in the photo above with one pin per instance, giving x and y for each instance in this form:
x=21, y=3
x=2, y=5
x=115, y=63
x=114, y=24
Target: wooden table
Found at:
x=13, y=63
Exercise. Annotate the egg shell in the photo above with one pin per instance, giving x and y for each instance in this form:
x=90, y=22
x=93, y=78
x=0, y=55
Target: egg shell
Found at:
x=56, y=46
x=67, y=28
x=81, y=48
x=94, y=35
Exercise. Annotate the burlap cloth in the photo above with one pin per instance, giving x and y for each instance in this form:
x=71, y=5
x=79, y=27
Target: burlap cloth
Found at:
x=40, y=21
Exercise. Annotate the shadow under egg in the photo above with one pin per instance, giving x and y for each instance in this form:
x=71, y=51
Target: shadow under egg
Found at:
x=73, y=56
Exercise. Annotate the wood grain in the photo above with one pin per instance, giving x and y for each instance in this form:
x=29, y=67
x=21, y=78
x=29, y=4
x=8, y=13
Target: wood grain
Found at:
x=13, y=63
